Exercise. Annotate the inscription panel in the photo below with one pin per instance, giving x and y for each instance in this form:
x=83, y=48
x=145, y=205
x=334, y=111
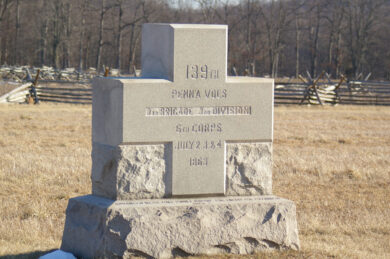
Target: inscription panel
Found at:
x=198, y=118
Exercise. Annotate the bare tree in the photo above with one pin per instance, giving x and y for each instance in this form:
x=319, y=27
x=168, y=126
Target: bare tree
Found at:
x=17, y=31
x=103, y=11
x=135, y=19
x=83, y=8
x=4, y=6
x=276, y=16
x=276, y=37
x=361, y=18
x=58, y=30
x=208, y=9
x=298, y=24
x=314, y=32
x=43, y=36
x=141, y=12
x=67, y=17
x=334, y=17
x=119, y=35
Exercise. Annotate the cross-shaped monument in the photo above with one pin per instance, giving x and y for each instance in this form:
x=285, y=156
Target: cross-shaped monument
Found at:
x=186, y=98
x=183, y=129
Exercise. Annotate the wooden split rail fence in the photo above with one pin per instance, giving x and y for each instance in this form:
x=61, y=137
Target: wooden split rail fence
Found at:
x=327, y=91
x=66, y=92
x=365, y=93
x=286, y=93
x=22, y=73
x=354, y=93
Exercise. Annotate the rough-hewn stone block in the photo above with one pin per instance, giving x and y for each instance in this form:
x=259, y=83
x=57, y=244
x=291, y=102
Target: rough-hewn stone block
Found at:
x=128, y=172
x=97, y=227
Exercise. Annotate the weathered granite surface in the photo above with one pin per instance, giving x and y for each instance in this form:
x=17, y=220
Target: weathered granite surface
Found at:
x=97, y=227
x=128, y=172
x=249, y=169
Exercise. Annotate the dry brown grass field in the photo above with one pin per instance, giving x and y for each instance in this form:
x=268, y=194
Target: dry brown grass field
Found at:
x=334, y=162
x=6, y=87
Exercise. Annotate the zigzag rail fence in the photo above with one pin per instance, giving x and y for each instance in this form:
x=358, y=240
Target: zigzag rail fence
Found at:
x=349, y=93
x=285, y=92
x=52, y=91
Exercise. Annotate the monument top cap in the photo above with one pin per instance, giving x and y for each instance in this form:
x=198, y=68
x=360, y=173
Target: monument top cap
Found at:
x=171, y=51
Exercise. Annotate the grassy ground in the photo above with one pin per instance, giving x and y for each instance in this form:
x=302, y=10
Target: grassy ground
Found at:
x=334, y=162
x=6, y=87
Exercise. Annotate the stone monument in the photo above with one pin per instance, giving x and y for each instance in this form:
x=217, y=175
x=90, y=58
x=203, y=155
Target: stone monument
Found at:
x=181, y=158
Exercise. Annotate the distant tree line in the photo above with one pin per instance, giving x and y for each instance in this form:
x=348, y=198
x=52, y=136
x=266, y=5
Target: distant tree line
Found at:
x=269, y=37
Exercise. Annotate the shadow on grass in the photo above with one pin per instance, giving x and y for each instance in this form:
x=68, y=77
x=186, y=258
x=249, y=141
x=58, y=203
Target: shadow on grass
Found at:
x=28, y=255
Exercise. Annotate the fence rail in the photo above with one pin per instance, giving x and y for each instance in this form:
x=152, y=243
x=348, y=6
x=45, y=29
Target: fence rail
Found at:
x=72, y=93
x=286, y=93
x=64, y=92
x=351, y=93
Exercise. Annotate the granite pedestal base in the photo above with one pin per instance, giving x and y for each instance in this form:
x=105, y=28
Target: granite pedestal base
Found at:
x=162, y=228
